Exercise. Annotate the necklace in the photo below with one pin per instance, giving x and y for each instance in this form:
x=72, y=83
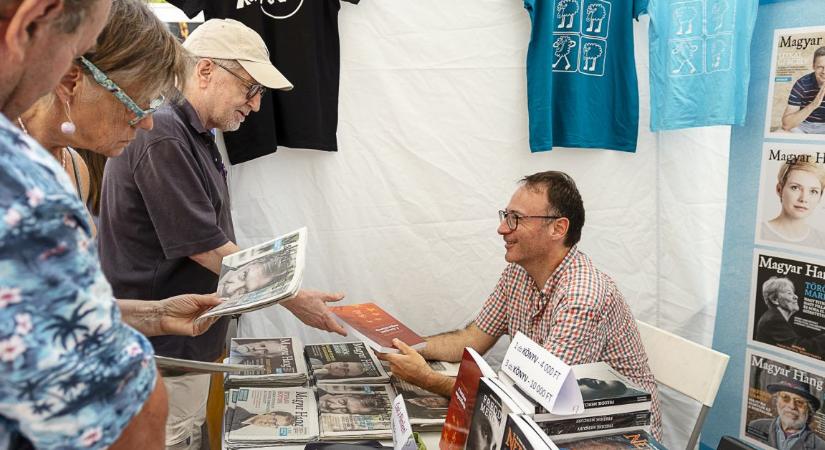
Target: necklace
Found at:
x=61, y=156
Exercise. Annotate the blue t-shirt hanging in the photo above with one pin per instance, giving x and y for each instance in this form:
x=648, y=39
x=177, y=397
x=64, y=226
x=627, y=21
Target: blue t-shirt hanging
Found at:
x=581, y=74
x=699, y=62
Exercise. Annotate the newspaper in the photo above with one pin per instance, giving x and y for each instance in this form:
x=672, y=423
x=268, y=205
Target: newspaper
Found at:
x=346, y=362
x=259, y=416
x=261, y=275
x=424, y=408
x=190, y=366
x=278, y=359
x=781, y=395
x=349, y=411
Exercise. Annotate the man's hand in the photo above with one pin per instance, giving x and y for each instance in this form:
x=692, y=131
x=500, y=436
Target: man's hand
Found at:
x=179, y=314
x=310, y=307
x=408, y=365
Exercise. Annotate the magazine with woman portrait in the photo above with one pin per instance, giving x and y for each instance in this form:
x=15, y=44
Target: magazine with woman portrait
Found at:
x=790, y=213
x=795, y=107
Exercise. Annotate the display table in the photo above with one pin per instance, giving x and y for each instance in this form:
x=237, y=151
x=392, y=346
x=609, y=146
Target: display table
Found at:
x=430, y=438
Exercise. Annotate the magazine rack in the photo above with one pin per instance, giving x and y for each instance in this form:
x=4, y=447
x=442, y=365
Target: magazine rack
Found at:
x=685, y=366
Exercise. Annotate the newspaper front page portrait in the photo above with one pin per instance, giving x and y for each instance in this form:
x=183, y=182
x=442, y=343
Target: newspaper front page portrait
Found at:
x=788, y=304
x=782, y=400
x=791, y=213
x=795, y=96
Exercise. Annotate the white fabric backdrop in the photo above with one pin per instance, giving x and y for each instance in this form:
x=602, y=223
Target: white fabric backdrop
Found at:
x=433, y=136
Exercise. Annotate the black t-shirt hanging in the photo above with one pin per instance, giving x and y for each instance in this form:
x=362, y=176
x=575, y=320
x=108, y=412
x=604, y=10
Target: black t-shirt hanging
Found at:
x=302, y=37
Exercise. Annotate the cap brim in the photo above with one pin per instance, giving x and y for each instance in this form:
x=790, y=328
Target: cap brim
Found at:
x=267, y=75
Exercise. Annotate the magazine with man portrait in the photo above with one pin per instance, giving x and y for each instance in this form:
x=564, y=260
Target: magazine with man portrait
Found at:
x=787, y=304
x=782, y=400
x=795, y=107
x=790, y=212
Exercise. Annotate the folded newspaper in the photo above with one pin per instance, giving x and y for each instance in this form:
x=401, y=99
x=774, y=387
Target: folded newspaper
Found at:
x=345, y=362
x=256, y=417
x=261, y=275
x=277, y=361
x=188, y=365
x=355, y=411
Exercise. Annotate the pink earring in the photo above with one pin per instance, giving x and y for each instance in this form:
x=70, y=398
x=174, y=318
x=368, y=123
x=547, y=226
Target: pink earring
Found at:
x=68, y=127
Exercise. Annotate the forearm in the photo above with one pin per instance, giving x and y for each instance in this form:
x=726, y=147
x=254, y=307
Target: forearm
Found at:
x=450, y=346
x=143, y=315
x=792, y=120
x=212, y=258
x=440, y=384
x=147, y=430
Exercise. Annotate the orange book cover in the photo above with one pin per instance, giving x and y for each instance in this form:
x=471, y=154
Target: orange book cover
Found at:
x=462, y=401
x=376, y=327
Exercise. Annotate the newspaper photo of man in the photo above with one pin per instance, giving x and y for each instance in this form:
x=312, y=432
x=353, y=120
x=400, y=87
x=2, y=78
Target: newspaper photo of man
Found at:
x=352, y=403
x=775, y=326
x=791, y=427
x=242, y=418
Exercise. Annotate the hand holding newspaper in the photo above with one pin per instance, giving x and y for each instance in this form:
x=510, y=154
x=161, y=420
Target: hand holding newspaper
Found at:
x=262, y=275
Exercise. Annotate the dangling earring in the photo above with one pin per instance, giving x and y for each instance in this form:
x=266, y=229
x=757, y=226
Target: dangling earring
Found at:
x=68, y=127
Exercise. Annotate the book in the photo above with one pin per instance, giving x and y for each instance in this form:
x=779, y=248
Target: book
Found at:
x=489, y=416
x=446, y=368
x=266, y=416
x=376, y=327
x=521, y=433
x=346, y=362
x=595, y=423
x=278, y=362
x=426, y=409
x=191, y=366
x=463, y=399
x=355, y=411
x=634, y=439
x=262, y=275
x=604, y=391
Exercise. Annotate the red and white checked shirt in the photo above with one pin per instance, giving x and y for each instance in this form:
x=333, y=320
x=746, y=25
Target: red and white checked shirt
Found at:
x=579, y=316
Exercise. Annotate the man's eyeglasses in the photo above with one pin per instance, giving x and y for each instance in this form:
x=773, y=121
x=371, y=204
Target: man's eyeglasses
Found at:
x=798, y=402
x=513, y=218
x=253, y=89
x=107, y=83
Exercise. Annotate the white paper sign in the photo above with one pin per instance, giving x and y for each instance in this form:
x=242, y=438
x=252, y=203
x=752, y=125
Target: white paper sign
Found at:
x=542, y=376
x=402, y=437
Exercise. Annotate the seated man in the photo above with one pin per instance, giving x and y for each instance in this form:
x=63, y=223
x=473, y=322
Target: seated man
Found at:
x=550, y=291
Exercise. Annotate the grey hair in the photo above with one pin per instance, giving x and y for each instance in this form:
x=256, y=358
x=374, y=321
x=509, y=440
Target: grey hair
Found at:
x=770, y=287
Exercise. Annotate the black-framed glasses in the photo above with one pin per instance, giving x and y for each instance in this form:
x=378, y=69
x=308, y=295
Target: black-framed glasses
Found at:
x=253, y=89
x=513, y=218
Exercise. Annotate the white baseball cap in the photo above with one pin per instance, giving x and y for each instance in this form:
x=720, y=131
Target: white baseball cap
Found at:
x=230, y=39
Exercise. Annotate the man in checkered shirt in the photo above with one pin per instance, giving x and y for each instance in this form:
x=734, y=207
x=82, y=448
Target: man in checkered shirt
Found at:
x=550, y=291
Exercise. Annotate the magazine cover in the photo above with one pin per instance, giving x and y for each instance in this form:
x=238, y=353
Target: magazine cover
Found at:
x=262, y=416
x=787, y=304
x=423, y=406
x=790, y=212
x=355, y=410
x=781, y=397
x=344, y=362
x=371, y=324
x=795, y=108
x=261, y=275
x=275, y=355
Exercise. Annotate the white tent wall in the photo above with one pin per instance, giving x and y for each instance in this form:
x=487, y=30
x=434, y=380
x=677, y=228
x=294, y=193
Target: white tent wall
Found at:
x=433, y=138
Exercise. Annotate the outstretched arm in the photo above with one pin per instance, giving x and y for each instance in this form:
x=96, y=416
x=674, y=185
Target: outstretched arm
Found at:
x=175, y=315
x=310, y=307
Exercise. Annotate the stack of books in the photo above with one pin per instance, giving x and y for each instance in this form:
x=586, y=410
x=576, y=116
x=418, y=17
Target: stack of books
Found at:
x=280, y=359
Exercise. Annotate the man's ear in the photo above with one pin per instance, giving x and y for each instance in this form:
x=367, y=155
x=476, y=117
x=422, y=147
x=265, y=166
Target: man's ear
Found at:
x=204, y=69
x=30, y=18
x=69, y=83
x=560, y=227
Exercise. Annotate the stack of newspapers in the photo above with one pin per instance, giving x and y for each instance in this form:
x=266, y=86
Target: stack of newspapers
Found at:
x=344, y=362
x=257, y=417
x=355, y=411
x=280, y=360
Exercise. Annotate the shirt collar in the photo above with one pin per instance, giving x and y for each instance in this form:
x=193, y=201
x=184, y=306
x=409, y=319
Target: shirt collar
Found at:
x=187, y=112
x=565, y=264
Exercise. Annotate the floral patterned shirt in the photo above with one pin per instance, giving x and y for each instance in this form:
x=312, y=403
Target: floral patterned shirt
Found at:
x=73, y=374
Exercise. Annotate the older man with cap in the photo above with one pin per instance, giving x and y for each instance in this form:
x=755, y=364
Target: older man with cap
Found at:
x=791, y=428
x=165, y=214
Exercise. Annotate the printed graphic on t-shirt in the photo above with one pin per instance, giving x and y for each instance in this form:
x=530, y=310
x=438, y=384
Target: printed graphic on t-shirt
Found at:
x=580, y=36
x=701, y=37
x=276, y=9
